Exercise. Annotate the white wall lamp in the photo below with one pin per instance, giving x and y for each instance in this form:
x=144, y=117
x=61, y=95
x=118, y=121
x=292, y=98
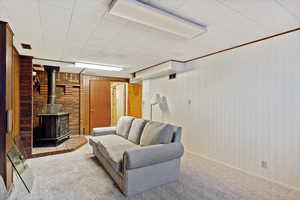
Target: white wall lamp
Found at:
x=154, y=101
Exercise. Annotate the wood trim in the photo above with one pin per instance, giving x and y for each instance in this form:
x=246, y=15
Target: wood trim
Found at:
x=227, y=49
x=3, y=100
x=241, y=45
x=16, y=92
x=7, y=26
x=16, y=50
x=9, y=99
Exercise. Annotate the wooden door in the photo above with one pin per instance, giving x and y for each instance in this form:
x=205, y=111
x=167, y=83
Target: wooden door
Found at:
x=135, y=100
x=100, y=103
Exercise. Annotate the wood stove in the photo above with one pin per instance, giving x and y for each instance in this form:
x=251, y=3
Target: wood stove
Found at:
x=53, y=128
x=53, y=124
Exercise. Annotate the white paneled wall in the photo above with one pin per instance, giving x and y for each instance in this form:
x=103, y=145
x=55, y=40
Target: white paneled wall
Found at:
x=240, y=107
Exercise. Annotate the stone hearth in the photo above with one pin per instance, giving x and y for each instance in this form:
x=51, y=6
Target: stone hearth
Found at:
x=75, y=142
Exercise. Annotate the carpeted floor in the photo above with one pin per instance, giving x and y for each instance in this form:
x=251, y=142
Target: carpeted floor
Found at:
x=78, y=176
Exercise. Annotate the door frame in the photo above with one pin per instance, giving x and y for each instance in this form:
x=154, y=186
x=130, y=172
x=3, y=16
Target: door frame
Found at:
x=3, y=110
x=114, y=85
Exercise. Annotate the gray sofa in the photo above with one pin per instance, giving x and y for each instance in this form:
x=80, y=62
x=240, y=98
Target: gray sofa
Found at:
x=139, y=154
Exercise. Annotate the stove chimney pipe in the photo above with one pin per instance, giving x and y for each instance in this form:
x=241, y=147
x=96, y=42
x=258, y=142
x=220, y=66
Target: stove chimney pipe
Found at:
x=51, y=83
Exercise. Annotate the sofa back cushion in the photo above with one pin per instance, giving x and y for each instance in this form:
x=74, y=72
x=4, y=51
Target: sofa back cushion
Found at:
x=123, y=126
x=136, y=130
x=157, y=133
x=177, y=134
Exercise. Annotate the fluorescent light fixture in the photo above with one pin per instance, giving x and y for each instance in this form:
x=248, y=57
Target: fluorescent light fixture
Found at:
x=164, y=69
x=96, y=66
x=155, y=17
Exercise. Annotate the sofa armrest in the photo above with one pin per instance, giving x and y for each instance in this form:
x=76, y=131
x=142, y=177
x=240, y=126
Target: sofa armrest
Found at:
x=151, y=155
x=104, y=131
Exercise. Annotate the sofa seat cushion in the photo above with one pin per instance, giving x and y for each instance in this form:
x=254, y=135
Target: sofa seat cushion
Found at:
x=112, y=147
x=136, y=130
x=157, y=133
x=124, y=125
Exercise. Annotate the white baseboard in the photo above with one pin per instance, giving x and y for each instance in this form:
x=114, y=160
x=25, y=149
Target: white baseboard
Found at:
x=244, y=171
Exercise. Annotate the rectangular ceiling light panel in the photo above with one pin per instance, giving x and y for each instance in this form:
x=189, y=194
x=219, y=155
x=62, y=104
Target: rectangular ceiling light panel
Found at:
x=145, y=14
x=99, y=67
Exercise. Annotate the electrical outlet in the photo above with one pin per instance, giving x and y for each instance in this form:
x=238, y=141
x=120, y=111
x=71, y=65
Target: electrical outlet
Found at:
x=264, y=164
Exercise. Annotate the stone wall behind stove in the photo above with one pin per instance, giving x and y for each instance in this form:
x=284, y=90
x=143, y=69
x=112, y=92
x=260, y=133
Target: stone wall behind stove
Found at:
x=67, y=94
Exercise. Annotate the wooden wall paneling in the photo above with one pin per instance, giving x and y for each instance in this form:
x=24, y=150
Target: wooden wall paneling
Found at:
x=84, y=104
x=2, y=100
x=6, y=86
x=135, y=100
x=126, y=99
x=80, y=105
x=16, y=91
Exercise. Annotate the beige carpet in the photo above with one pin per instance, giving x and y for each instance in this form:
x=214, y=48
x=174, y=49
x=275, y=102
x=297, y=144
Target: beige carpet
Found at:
x=78, y=176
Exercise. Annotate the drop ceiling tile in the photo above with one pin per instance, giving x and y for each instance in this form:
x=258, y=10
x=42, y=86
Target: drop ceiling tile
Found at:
x=25, y=32
x=66, y=4
x=207, y=12
x=84, y=20
x=108, y=27
x=218, y=39
x=102, y=37
x=54, y=28
x=93, y=3
x=292, y=6
x=267, y=13
x=3, y=13
x=95, y=36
